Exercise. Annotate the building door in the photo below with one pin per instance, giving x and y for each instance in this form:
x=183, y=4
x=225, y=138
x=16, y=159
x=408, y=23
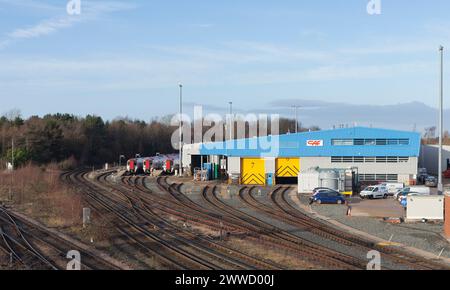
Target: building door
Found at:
x=253, y=171
x=287, y=170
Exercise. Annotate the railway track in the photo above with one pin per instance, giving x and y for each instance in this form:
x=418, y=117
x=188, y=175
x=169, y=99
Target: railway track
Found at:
x=18, y=248
x=212, y=250
x=282, y=210
x=164, y=219
x=133, y=229
x=302, y=248
x=281, y=204
x=260, y=234
x=34, y=247
x=238, y=258
x=195, y=252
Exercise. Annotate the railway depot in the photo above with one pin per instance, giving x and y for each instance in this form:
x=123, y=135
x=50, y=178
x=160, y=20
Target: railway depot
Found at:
x=368, y=155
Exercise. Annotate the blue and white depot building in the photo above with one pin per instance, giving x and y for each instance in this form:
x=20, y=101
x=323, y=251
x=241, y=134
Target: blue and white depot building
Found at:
x=378, y=154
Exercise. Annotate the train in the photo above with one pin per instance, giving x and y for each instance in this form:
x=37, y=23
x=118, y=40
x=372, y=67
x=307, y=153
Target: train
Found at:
x=147, y=165
x=135, y=166
x=166, y=164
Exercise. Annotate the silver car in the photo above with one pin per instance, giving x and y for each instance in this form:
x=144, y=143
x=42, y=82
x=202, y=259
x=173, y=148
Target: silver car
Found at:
x=431, y=181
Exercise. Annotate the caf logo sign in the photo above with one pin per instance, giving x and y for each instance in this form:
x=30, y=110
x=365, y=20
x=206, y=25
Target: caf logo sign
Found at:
x=314, y=143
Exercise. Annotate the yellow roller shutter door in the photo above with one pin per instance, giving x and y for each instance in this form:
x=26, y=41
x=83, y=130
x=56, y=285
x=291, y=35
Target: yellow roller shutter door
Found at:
x=253, y=171
x=288, y=167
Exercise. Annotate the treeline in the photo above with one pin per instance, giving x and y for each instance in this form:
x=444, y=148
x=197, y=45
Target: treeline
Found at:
x=88, y=140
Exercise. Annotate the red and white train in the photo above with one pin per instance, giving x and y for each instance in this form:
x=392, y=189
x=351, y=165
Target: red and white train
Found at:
x=147, y=165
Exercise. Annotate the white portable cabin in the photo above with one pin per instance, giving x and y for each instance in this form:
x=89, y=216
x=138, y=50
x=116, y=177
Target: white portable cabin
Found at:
x=425, y=207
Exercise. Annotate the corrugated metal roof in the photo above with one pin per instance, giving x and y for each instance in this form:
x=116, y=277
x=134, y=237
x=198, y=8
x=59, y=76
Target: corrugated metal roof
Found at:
x=295, y=145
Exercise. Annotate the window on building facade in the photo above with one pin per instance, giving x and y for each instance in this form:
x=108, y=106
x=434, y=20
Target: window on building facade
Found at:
x=336, y=159
x=369, y=159
x=342, y=142
x=369, y=142
x=358, y=159
x=378, y=177
x=361, y=159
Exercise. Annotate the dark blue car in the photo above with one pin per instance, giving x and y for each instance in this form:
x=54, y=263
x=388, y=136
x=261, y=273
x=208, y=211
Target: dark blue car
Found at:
x=332, y=197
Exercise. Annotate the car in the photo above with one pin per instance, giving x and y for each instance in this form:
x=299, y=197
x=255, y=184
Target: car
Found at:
x=322, y=189
x=376, y=191
x=328, y=197
x=422, y=175
x=431, y=181
x=404, y=198
x=412, y=189
x=392, y=188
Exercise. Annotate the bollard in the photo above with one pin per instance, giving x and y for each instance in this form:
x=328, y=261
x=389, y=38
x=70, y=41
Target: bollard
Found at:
x=447, y=215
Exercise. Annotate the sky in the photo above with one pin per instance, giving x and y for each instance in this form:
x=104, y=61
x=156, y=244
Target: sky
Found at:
x=126, y=58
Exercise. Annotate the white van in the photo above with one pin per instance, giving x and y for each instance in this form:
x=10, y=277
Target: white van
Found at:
x=376, y=191
x=393, y=188
x=420, y=190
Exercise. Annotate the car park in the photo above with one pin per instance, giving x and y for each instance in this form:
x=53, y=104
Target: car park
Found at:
x=327, y=197
x=376, y=191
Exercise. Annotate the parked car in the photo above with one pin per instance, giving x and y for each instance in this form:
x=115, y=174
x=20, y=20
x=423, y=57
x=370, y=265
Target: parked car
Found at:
x=330, y=196
x=392, y=188
x=322, y=189
x=422, y=175
x=404, y=198
x=420, y=190
x=431, y=181
x=376, y=191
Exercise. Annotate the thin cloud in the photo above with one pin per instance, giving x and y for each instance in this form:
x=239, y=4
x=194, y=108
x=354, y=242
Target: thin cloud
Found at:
x=31, y=5
x=90, y=12
x=44, y=28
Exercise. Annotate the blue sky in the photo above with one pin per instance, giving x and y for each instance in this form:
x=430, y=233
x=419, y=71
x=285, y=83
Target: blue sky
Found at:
x=125, y=58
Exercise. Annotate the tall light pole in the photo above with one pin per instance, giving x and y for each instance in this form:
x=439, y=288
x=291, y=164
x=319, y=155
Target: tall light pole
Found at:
x=231, y=120
x=441, y=118
x=181, y=124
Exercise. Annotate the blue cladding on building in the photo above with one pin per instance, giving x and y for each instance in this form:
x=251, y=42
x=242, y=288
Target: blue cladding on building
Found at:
x=357, y=141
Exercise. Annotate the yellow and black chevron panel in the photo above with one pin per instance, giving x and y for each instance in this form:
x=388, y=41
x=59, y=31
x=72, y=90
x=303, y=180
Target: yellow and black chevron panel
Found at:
x=253, y=171
x=288, y=167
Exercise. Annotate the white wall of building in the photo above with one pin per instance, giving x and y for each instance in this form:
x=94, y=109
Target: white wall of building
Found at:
x=188, y=151
x=234, y=165
x=430, y=156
